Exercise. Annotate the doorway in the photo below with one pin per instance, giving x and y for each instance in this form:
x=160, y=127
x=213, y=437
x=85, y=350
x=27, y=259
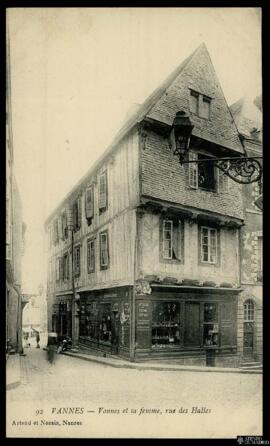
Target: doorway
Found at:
x=248, y=347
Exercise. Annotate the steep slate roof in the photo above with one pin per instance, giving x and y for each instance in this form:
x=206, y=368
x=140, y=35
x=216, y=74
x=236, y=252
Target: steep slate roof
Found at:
x=173, y=95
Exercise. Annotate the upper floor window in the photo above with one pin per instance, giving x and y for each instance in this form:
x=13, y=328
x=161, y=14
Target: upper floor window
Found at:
x=58, y=268
x=104, y=250
x=248, y=311
x=200, y=104
x=102, y=191
x=55, y=232
x=64, y=226
x=89, y=204
x=171, y=240
x=77, y=260
x=208, y=245
x=202, y=175
x=77, y=214
x=91, y=255
x=205, y=107
x=194, y=102
x=66, y=267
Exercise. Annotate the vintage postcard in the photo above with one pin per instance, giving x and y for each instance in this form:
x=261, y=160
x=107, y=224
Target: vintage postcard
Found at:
x=134, y=223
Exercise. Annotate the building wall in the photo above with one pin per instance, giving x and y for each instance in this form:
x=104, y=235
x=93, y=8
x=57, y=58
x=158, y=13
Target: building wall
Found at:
x=226, y=270
x=163, y=178
x=119, y=219
x=251, y=268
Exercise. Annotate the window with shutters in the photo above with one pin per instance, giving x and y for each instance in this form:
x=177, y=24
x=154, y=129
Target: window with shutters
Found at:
x=64, y=226
x=104, y=250
x=58, y=268
x=55, y=232
x=77, y=261
x=172, y=239
x=91, y=255
x=200, y=104
x=66, y=267
x=202, y=175
x=89, y=204
x=102, y=191
x=77, y=214
x=208, y=245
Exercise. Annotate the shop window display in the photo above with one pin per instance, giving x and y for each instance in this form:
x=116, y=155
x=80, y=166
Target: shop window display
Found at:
x=95, y=322
x=165, y=324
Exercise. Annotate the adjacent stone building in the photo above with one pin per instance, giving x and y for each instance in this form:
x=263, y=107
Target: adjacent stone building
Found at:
x=248, y=118
x=144, y=254
x=15, y=229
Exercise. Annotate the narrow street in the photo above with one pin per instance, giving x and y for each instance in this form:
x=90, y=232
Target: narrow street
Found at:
x=114, y=402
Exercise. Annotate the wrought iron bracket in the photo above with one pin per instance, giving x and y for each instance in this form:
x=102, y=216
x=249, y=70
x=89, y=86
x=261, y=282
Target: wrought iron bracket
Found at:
x=243, y=170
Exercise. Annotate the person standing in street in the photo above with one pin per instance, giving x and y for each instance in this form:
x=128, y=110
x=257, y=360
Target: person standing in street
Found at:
x=38, y=339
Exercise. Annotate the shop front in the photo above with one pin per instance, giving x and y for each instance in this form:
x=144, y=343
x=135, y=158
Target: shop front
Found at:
x=178, y=322
x=104, y=321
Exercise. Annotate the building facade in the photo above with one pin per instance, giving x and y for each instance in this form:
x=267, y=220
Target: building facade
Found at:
x=248, y=118
x=15, y=229
x=144, y=254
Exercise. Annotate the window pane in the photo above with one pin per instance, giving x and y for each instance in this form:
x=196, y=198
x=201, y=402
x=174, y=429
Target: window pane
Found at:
x=210, y=312
x=104, y=249
x=166, y=324
x=206, y=173
x=205, y=108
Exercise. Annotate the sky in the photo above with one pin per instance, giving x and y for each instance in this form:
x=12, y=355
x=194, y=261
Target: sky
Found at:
x=76, y=73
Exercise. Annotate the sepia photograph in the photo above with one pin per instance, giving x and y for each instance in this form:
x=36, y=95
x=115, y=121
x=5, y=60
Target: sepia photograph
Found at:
x=134, y=239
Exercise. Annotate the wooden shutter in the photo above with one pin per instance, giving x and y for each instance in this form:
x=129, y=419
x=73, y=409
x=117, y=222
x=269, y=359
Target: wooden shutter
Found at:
x=192, y=324
x=227, y=332
x=60, y=227
x=74, y=215
x=104, y=250
x=223, y=182
x=79, y=201
x=176, y=242
x=89, y=202
x=193, y=171
x=103, y=191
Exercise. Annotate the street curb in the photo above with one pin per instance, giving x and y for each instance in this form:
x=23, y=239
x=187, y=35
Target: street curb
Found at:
x=161, y=367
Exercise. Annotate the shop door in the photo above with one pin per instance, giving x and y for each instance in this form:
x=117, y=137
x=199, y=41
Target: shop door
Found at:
x=192, y=324
x=248, y=347
x=248, y=339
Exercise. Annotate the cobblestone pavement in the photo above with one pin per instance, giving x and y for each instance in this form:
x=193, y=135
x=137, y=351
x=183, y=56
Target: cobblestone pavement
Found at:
x=225, y=405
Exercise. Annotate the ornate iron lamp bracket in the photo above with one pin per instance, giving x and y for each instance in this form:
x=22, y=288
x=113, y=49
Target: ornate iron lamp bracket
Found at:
x=243, y=170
